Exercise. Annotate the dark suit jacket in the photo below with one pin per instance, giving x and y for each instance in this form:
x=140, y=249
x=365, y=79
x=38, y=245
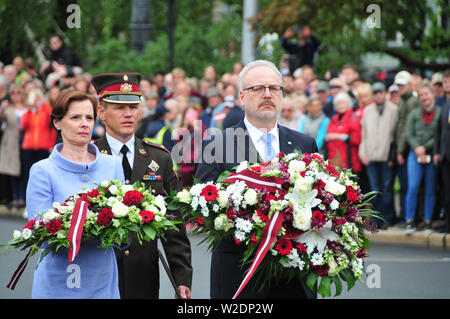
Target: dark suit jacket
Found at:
x=226, y=273
x=442, y=141
x=138, y=265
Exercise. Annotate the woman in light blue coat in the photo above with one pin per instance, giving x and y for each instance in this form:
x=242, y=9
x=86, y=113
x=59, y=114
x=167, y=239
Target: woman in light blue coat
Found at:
x=315, y=123
x=74, y=165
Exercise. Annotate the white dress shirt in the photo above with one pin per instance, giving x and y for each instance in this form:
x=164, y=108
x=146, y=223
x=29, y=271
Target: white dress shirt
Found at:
x=117, y=145
x=258, y=140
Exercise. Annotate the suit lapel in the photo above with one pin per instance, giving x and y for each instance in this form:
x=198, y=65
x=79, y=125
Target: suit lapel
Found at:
x=286, y=145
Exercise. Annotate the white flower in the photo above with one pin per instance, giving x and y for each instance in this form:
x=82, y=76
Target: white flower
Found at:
x=294, y=261
x=357, y=267
x=61, y=208
x=244, y=225
x=17, y=234
x=196, y=189
x=221, y=222
x=317, y=259
x=297, y=166
x=113, y=189
x=184, y=196
x=105, y=183
x=158, y=218
x=304, y=184
x=215, y=208
x=60, y=235
x=126, y=188
x=334, y=204
x=160, y=202
x=50, y=215
x=302, y=218
x=250, y=197
x=240, y=235
x=243, y=165
x=205, y=211
x=111, y=200
x=334, y=188
x=223, y=199
x=119, y=209
x=319, y=239
x=202, y=202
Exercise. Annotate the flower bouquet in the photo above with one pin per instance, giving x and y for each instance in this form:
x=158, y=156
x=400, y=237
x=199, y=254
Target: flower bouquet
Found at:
x=110, y=213
x=296, y=213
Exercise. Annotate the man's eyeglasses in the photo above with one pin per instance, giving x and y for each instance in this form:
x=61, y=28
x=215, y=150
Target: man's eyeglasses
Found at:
x=260, y=89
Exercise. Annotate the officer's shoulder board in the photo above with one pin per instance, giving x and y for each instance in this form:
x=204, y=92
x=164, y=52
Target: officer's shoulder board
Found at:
x=154, y=145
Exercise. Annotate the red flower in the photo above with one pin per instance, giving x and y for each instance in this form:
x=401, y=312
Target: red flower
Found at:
x=93, y=193
x=317, y=157
x=53, y=226
x=30, y=224
x=320, y=270
x=105, y=216
x=301, y=249
x=283, y=246
x=210, y=193
x=318, y=219
x=147, y=216
x=253, y=240
x=320, y=184
x=200, y=221
x=231, y=214
x=351, y=196
x=330, y=168
x=339, y=221
x=237, y=241
x=264, y=218
x=132, y=197
x=280, y=155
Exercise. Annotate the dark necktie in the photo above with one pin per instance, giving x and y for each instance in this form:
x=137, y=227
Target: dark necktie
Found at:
x=125, y=164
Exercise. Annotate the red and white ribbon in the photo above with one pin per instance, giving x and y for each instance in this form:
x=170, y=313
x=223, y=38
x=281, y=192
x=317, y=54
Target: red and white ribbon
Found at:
x=270, y=234
x=76, y=227
x=271, y=184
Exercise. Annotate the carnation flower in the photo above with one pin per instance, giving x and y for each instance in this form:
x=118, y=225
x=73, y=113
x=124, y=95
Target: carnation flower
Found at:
x=26, y=233
x=30, y=224
x=93, y=193
x=17, y=234
x=49, y=216
x=132, y=197
x=317, y=259
x=113, y=189
x=244, y=225
x=53, y=226
x=104, y=217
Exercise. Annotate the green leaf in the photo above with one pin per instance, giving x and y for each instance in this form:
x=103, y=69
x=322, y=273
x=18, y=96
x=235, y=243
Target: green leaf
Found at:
x=149, y=231
x=348, y=277
x=133, y=227
x=338, y=284
x=311, y=280
x=325, y=286
x=366, y=243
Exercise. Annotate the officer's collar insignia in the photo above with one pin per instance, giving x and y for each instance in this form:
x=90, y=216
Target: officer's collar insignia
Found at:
x=153, y=166
x=104, y=152
x=143, y=152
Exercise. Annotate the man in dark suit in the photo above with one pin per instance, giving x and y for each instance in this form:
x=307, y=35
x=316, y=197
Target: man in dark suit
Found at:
x=442, y=150
x=146, y=162
x=256, y=137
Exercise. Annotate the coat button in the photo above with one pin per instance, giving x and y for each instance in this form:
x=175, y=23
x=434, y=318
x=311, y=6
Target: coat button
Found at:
x=127, y=252
x=153, y=191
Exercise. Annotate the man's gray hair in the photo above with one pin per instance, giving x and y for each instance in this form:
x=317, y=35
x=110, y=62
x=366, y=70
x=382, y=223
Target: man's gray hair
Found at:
x=254, y=64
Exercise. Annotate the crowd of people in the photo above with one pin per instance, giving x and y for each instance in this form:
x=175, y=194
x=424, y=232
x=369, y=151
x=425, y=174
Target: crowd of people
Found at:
x=385, y=132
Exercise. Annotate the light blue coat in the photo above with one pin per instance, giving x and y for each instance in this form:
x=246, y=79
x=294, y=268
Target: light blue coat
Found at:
x=93, y=273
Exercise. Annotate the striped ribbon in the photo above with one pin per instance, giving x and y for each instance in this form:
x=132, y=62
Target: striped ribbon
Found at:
x=271, y=184
x=76, y=227
x=19, y=271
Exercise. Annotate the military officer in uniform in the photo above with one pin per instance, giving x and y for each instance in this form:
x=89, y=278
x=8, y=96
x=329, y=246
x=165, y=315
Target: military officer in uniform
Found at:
x=119, y=97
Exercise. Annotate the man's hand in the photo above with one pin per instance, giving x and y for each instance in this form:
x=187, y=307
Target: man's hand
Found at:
x=400, y=159
x=184, y=291
x=289, y=33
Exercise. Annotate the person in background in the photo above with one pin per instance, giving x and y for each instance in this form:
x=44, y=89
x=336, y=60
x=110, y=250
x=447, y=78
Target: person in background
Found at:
x=408, y=102
x=393, y=95
x=376, y=150
x=315, y=123
x=214, y=99
x=421, y=128
x=289, y=116
x=442, y=150
x=439, y=92
x=344, y=135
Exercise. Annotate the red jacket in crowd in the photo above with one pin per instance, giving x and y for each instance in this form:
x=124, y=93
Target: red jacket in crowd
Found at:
x=38, y=134
x=339, y=152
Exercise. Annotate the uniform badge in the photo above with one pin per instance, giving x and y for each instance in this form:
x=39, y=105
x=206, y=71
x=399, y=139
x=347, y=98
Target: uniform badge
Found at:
x=153, y=166
x=104, y=152
x=126, y=87
x=143, y=152
x=125, y=77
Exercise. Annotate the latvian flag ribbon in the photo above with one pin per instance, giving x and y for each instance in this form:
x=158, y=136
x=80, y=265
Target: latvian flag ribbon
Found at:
x=76, y=227
x=271, y=184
